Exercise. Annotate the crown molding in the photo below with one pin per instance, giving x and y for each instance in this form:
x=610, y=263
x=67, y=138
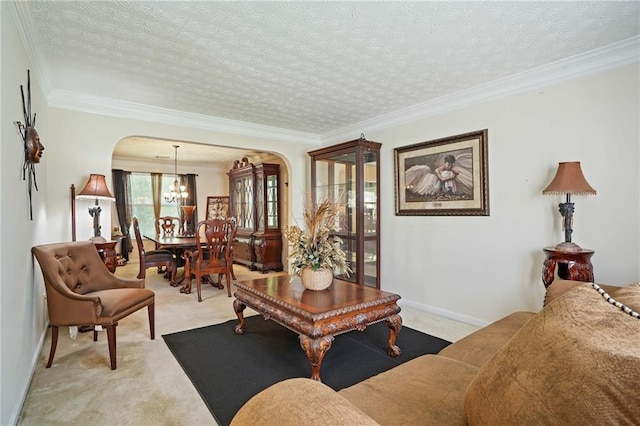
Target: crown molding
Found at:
x=116, y=108
x=23, y=21
x=622, y=53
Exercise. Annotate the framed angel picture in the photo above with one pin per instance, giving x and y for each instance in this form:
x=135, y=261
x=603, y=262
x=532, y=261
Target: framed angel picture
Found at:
x=217, y=207
x=445, y=176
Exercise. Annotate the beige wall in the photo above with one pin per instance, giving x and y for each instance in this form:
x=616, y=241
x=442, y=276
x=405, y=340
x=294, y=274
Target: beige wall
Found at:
x=480, y=268
x=471, y=268
x=22, y=307
x=83, y=143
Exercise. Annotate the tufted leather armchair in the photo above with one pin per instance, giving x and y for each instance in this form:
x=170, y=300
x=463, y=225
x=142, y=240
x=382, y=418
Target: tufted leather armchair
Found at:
x=81, y=291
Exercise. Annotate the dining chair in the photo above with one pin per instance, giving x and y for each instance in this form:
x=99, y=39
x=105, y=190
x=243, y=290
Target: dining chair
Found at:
x=152, y=258
x=170, y=226
x=82, y=292
x=214, y=239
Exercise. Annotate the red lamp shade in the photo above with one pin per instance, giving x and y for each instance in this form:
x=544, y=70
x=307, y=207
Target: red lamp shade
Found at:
x=96, y=188
x=569, y=180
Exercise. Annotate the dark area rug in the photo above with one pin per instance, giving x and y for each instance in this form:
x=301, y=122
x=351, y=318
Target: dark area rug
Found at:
x=227, y=370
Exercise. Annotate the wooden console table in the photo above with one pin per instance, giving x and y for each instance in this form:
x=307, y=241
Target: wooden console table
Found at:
x=572, y=265
x=107, y=252
x=318, y=316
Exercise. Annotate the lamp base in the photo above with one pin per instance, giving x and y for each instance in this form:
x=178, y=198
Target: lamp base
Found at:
x=568, y=247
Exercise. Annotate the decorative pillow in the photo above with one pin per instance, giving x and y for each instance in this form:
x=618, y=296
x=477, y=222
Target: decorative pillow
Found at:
x=576, y=362
x=628, y=296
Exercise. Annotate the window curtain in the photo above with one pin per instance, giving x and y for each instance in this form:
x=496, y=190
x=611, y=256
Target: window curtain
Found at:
x=156, y=193
x=191, y=201
x=122, y=194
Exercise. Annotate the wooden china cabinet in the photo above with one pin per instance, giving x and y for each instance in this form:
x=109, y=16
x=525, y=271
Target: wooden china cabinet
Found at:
x=254, y=201
x=351, y=170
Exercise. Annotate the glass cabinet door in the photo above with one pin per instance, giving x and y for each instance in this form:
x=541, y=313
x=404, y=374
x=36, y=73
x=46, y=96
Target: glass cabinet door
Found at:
x=242, y=201
x=272, y=202
x=349, y=172
x=268, y=236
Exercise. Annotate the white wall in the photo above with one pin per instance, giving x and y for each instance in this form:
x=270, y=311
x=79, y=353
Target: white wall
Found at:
x=22, y=307
x=481, y=268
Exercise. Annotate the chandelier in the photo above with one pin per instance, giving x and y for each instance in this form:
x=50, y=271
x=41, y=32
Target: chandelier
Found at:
x=177, y=192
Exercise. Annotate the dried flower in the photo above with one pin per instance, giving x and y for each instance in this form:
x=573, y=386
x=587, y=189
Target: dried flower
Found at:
x=318, y=247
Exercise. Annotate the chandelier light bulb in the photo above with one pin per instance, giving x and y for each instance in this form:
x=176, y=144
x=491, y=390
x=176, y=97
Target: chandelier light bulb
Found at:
x=177, y=191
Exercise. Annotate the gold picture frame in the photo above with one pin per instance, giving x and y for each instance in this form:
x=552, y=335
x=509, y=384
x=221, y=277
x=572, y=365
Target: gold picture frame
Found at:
x=443, y=177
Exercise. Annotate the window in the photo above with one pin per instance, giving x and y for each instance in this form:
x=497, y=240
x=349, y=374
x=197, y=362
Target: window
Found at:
x=142, y=201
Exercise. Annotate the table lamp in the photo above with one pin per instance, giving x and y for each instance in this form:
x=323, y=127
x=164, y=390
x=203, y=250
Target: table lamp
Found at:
x=96, y=188
x=188, y=217
x=568, y=180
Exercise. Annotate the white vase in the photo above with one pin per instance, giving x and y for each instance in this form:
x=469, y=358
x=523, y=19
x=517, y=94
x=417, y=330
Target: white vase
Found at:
x=316, y=280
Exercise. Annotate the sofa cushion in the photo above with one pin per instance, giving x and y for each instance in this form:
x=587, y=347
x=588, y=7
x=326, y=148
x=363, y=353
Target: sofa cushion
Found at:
x=479, y=346
x=560, y=287
x=428, y=390
x=296, y=402
x=576, y=362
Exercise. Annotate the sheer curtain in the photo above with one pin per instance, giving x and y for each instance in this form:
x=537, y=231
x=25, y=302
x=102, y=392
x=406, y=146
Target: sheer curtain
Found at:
x=156, y=192
x=122, y=194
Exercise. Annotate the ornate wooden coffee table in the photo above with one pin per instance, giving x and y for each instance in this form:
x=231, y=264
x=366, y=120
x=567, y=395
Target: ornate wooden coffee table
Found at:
x=318, y=316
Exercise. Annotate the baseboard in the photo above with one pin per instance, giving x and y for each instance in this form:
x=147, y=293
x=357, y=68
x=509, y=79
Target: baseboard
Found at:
x=13, y=420
x=444, y=313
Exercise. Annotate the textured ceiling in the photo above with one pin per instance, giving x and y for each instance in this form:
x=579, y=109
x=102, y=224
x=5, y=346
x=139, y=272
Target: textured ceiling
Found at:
x=306, y=66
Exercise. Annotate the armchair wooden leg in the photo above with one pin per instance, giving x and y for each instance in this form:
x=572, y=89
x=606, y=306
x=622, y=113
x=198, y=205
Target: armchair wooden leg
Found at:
x=95, y=334
x=228, y=276
x=54, y=344
x=152, y=321
x=111, y=337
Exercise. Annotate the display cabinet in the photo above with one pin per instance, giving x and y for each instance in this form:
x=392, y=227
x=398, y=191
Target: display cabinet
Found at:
x=351, y=171
x=267, y=239
x=254, y=201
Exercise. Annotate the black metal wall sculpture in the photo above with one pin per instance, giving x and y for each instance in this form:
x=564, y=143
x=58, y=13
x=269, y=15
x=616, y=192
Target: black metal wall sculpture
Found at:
x=33, y=149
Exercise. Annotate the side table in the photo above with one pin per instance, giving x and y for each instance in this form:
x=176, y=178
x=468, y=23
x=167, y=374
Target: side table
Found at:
x=107, y=252
x=572, y=265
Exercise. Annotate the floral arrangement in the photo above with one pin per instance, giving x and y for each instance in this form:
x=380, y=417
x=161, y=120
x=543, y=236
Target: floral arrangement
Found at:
x=315, y=247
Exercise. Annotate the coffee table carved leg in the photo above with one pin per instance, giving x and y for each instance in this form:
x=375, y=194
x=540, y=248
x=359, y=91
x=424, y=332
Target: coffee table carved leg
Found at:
x=395, y=323
x=315, y=350
x=239, y=307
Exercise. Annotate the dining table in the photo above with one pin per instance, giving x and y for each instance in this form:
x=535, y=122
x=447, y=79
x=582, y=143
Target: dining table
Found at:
x=185, y=242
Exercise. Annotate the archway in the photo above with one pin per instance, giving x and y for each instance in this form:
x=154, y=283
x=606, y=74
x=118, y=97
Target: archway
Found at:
x=210, y=163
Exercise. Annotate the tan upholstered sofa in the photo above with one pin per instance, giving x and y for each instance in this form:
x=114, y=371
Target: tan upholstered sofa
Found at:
x=577, y=361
